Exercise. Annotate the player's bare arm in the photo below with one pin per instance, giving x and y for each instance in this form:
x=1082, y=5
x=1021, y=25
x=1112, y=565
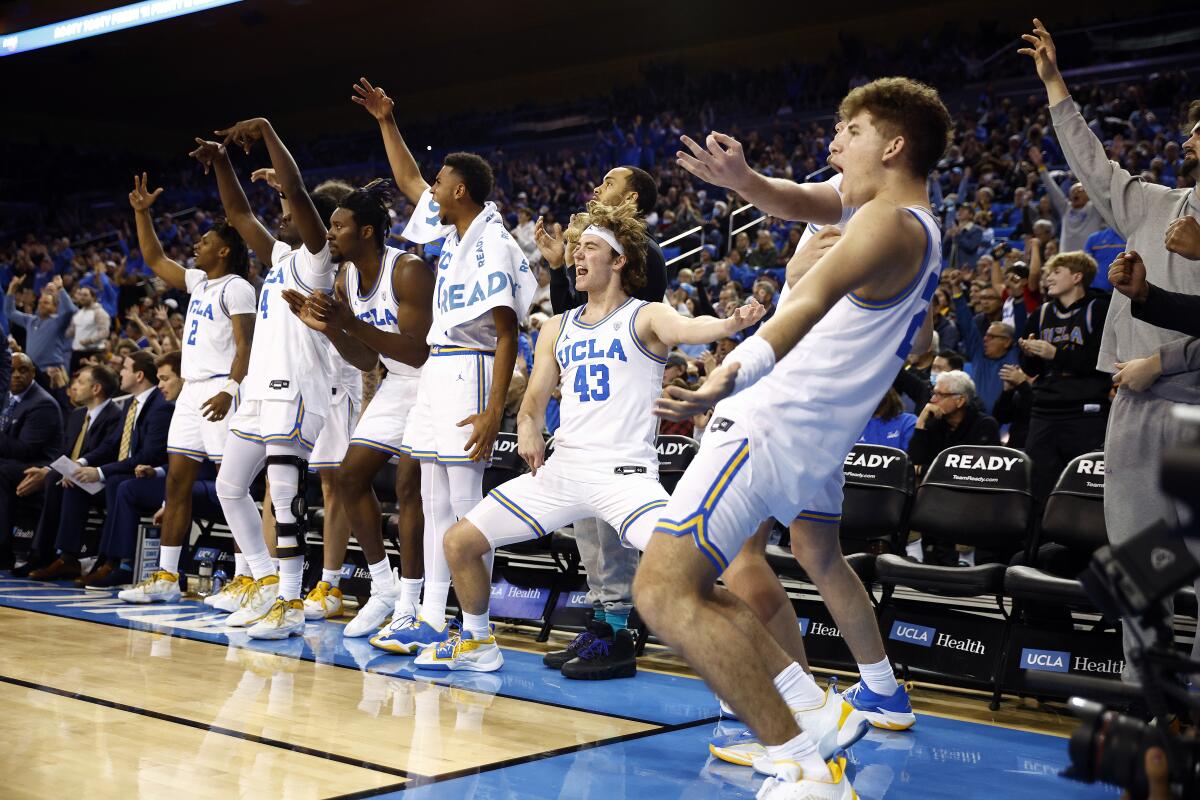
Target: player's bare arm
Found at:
x=662, y=327
x=215, y=156
x=531, y=418
x=486, y=424
x=142, y=199
x=404, y=167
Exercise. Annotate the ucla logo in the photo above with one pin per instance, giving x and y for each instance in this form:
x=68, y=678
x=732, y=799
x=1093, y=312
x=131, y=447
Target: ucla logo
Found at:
x=912, y=633
x=197, y=308
x=372, y=317
x=348, y=570
x=1045, y=660
x=589, y=349
x=275, y=275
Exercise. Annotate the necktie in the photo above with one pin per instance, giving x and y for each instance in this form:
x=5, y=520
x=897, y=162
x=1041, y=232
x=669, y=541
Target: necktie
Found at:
x=6, y=416
x=78, y=448
x=127, y=434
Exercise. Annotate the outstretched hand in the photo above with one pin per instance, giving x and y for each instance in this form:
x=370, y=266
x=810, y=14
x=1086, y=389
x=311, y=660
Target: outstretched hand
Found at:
x=746, y=315
x=374, y=99
x=550, y=243
x=207, y=152
x=142, y=198
x=680, y=404
x=721, y=162
x=244, y=134
x=1041, y=50
x=266, y=174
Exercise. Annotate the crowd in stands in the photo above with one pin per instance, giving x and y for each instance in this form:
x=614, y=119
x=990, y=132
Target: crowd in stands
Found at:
x=1017, y=317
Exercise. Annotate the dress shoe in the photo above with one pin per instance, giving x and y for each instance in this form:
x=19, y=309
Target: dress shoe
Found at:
x=98, y=573
x=116, y=577
x=34, y=563
x=59, y=569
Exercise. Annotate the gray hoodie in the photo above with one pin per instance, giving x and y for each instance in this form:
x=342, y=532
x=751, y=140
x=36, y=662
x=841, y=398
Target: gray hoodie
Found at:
x=1139, y=212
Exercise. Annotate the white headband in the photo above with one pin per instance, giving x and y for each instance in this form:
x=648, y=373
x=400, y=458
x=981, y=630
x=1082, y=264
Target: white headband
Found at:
x=606, y=235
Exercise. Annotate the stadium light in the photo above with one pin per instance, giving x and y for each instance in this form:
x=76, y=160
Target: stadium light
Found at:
x=102, y=22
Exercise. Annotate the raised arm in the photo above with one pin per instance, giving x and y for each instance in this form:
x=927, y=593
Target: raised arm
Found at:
x=308, y=223
x=404, y=167
x=1053, y=190
x=531, y=418
x=722, y=163
x=662, y=327
x=141, y=199
x=214, y=156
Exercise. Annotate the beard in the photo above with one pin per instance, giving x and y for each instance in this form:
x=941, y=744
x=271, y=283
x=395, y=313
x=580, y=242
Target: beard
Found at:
x=1189, y=166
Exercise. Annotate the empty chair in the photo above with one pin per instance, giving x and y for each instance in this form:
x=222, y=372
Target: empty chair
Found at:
x=674, y=455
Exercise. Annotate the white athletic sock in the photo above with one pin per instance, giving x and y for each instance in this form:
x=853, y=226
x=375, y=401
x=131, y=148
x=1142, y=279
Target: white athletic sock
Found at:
x=168, y=558
x=913, y=550
x=240, y=567
x=798, y=688
x=802, y=750
x=410, y=596
x=331, y=576
x=478, y=625
x=382, y=580
x=291, y=575
x=261, y=565
x=433, y=608
x=879, y=677
x=967, y=557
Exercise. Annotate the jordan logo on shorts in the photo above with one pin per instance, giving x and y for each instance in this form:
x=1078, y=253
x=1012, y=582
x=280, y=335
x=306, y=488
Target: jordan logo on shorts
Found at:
x=279, y=384
x=721, y=424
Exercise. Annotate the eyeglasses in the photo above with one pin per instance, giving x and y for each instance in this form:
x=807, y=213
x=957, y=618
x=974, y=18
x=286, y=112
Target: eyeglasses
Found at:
x=996, y=336
x=937, y=393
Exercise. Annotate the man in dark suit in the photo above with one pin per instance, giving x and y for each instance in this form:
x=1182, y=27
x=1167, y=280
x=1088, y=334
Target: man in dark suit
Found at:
x=90, y=437
x=31, y=432
x=141, y=438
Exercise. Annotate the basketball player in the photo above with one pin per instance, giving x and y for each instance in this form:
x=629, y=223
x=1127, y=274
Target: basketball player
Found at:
x=386, y=318
x=840, y=338
x=285, y=400
x=607, y=357
x=459, y=403
x=345, y=395
x=217, y=334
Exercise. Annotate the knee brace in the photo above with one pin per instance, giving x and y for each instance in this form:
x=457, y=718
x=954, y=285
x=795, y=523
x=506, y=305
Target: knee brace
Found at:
x=299, y=504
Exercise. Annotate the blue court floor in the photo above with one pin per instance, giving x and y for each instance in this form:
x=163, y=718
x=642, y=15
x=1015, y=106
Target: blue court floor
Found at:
x=939, y=758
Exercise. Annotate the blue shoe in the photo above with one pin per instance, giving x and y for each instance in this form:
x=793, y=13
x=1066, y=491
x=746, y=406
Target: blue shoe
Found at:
x=890, y=712
x=409, y=635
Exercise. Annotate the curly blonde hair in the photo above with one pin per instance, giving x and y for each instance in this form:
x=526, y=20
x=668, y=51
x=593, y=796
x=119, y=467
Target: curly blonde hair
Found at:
x=629, y=230
x=908, y=108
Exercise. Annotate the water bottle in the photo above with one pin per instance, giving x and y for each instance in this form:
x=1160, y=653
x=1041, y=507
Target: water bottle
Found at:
x=219, y=580
x=204, y=583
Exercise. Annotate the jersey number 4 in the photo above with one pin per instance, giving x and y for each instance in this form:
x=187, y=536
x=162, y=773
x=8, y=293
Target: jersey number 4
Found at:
x=599, y=372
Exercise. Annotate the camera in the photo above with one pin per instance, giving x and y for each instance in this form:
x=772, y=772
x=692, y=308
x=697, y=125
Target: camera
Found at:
x=1130, y=581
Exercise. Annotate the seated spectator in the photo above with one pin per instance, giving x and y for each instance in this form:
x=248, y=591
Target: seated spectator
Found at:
x=890, y=425
x=140, y=440
x=950, y=418
x=764, y=254
x=92, y=435
x=914, y=383
x=31, y=432
x=944, y=324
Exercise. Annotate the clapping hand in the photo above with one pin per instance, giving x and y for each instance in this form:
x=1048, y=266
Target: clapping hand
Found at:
x=550, y=243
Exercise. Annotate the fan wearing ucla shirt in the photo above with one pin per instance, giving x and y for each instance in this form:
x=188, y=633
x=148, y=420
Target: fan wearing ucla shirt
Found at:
x=606, y=358
x=380, y=313
x=217, y=334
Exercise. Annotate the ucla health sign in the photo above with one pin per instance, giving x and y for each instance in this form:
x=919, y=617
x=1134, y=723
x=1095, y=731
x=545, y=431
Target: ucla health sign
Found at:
x=950, y=642
x=1045, y=660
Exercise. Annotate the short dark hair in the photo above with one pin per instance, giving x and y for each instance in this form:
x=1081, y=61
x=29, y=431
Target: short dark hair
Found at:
x=476, y=174
x=173, y=359
x=239, y=254
x=143, y=362
x=953, y=358
x=647, y=190
x=107, y=380
x=369, y=205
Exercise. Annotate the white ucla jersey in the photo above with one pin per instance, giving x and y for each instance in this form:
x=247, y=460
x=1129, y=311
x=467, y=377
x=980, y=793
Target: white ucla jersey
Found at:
x=347, y=378
x=812, y=229
x=819, y=397
x=609, y=381
x=288, y=358
x=208, y=344
x=376, y=305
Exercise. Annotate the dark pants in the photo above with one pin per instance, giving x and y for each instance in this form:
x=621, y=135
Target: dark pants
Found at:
x=76, y=504
x=13, y=508
x=132, y=500
x=1053, y=442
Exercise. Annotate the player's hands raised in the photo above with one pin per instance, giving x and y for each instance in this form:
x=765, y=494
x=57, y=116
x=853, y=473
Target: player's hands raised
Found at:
x=217, y=407
x=244, y=134
x=550, y=243
x=745, y=315
x=374, y=99
x=207, y=152
x=266, y=174
x=1127, y=274
x=720, y=162
x=142, y=198
x=680, y=404
x=1041, y=50
x=530, y=445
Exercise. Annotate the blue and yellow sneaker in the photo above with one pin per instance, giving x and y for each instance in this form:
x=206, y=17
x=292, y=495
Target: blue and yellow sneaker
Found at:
x=891, y=712
x=834, y=725
x=462, y=652
x=409, y=635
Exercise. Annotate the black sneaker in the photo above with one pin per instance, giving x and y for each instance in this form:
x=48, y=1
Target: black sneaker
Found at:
x=596, y=629
x=603, y=660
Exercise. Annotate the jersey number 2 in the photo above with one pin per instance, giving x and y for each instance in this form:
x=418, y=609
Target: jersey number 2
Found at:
x=586, y=392
x=192, y=332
